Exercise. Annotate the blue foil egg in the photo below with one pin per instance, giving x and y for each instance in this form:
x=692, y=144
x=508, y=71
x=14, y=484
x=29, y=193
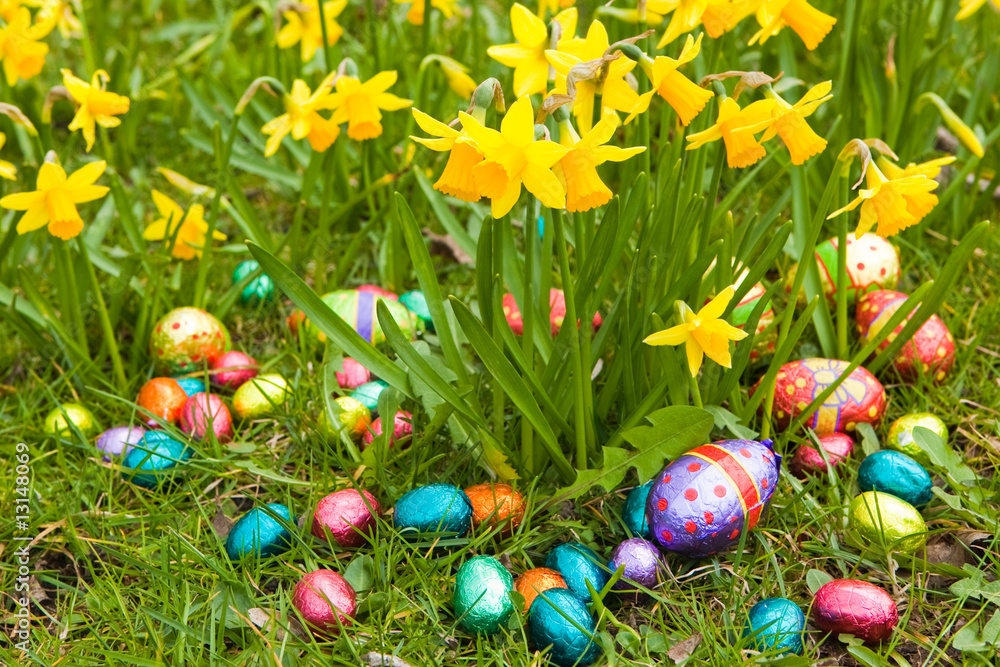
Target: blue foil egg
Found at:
x=416, y=303
x=149, y=461
x=260, y=532
x=776, y=624
x=435, y=508
x=578, y=564
x=634, y=512
x=191, y=386
x=570, y=642
x=368, y=393
x=897, y=474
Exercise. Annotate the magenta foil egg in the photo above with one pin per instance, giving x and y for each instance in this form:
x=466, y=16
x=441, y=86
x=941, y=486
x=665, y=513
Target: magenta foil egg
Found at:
x=119, y=440
x=203, y=412
x=809, y=461
x=849, y=606
x=642, y=563
x=354, y=374
x=233, y=369
x=325, y=600
x=402, y=429
x=346, y=517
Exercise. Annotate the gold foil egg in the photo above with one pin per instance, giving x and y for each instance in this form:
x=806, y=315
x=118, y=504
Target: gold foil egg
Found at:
x=261, y=396
x=886, y=523
x=900, y=436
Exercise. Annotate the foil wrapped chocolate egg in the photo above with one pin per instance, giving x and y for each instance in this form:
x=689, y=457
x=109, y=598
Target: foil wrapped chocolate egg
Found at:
x=163, y=398
x=931, y=351
x=561, y=622
x=353, y=419
x=496, y=505
x=357, y=308
x=557, y=313
x=119, y=440
x=641, y=561
x=886, y=523
x=897, y=474
x=434, y=508
x=849, y=606
x=262, y=532
x=257, y=289
x=535, y=581
x=859, y=398
x=354, y=374
x=263, y=395
x=402, y=430
x=634, y=512
x=187, y=339
x=368, y=394
x=379, y=292
x=206, y=413
x=59, y=420
x=701, y=503
x=578, y=564
x=346, y=517
x=153, y=460
x=775, y=625
x=482, y=598
x=808, y=460
x=191, y=386
x=326, y=601
x=232, y=369
x=416, y=303
x=900, y=437
x=872, y=264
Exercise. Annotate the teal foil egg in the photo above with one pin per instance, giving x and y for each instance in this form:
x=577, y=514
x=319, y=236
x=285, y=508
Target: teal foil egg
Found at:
x=150, y=461
x=368, y=393
x=191, y=386
x=260, y=288
x=435, y=508
x=896, y=474
x=634, y=512
x=578, y=564
x=482, y=595
x=776, y=624
x=416, y=303
x=260, y=532
x=570, y=642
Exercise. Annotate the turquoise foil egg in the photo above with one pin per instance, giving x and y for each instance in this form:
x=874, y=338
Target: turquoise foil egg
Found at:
x=776, y=624
x=191, y=386
x=569, y=640
x=150, y=461
x=416, y=303
x=634, y=512
x=261, y=532
x=578, y=564
x=260, y=288
x=368, y=393
x=482, y=595
x=435, y=508
x=896, y=474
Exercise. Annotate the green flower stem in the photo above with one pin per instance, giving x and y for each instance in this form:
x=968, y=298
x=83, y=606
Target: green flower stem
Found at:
x=319, y=278
x=695, y=390
x=305, y=194
x=425, y=29
x=327, y=54
x=527, y=335
x=68, y=295
x=498, y=395
x=102, y=312
x=841, y=292
x=373, y=32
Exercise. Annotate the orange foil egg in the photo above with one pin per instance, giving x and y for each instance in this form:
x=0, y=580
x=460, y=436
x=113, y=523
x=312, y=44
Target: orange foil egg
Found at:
x=496, y=504
x=536, y=581
x=162, y=397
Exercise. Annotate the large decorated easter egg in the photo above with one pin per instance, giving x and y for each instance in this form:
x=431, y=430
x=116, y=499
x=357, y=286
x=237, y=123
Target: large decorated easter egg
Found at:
x=808, y=460
x=872, y=264
x=897, y=474
x=849, y=606
x=884, y=522
x=931, y=351
x=379, y=292
x=119, y=440
x=901, y=439
x=434, y=508
x=262, y=396
x=578, y=564
x=634, y=512
x=354, y=374
x=640, y=561
x=701, y=503
x=763, y=342
x=257, y=289
x=206, y=413
x=58, y=421
x=535, y=581
x=326, y=601
x=859, y=398
x=368, y=394
x=402, y=430
x=357, y=308
x=186, y=339
x=232, y=369
x=152, y=461
x=163, y=398
x=191, y=386
x=557, y=313
x=561, y=622
x=346, y=517
x=482, y=595
x=496, y=505
x=775, y=625
x=416, y=303
x=262, y=532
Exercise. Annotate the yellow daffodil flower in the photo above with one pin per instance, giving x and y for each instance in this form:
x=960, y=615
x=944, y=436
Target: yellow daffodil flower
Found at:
x=702, y=333
x=685, y=16
x=614, y=91
x=301, y=119
x=7, y=170
x=919, y=203
x=527, y=55
x=810, y=24
x=304, y=28
x=22, y=53
x=546, y=6
x=54, y=200
x=967, y=8
x=721, y=16
x=512, y=157
x=742, y=149
x=190, y=229
x=416, y=13
x=956, y=125
x=59, y=13
x=360, y=104
x=683, y=95
x=94, y=104
x=455, y=73
x=800, y=139
x=886, y=202
x=577, y=170
x=456, y=179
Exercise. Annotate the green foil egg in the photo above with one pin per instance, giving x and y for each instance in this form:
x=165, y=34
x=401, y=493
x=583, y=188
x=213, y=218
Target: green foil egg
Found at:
x=884, y=522
x=900, y=436
x=56, y=421
x=482, y=595
x=416, y=303
x=260, y=288
x=368, y=393
x=897, y=474
x=261, y=396
x=775, y=624
x=187, y=339
x=569, y=640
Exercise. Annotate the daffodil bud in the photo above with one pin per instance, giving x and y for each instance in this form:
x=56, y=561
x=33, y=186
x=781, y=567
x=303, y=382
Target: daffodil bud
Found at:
x=349, y=68
x=633, y=52
x=955, y=124
x=488, y=93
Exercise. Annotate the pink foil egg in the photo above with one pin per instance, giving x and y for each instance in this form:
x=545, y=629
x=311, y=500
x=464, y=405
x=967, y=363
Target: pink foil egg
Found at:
x=233, y=369
x=346, y=516
x=204, y=411
x=855, y=607
x=402, y=429
x=809, y=461
x=325, y=600
x=354, y=374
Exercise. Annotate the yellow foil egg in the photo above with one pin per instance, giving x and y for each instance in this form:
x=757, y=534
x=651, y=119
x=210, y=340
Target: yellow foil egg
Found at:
x=900, y=436
x=353, y=415
x=884, y=522
x=261, y=396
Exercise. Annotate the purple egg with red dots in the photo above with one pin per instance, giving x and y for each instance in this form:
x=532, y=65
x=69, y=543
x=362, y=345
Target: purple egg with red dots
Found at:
x=702, y=502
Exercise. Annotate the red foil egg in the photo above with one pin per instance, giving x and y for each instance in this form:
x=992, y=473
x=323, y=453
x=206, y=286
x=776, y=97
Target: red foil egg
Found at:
x=354, y=374
x=809, y=461
x=402, y=429
x=930, y=352
x=326, y=601
x=206, y=412
x=162, y=397
x=496, y=504
x=557, y=313
x=233, y=369
x=855, y=607
x=346, y=517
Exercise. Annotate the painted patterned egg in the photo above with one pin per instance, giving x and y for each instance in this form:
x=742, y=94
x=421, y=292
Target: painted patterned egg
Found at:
x=353, y=418
x=641, y=561
x=496, y=505
x=557, y=313
x=191, y=386
x=535, y=581
x=872, y=264
x=859, y=398
x=186, y=339
x=775, y=624
x=203, y=413
x=58, y=421
x=416, y=303
x=261, y=532
x=163, y=398
x=849, y=606
x=886, y=523
x=900, y=436
x=434, y=508
x=326, y=601
x=809, y=461
x=119, y=440
x=482, y=595
x=264, y=395
x=357, y=308
x=232, y=369
x=931, y=351
x=346, y=517
x=578, y=564
x=379, y=292
x=354, y=374
x=634, y=512
x=701, y=502
x=402, y=430
x=257, y=289
x=368, y=393
x=897, y=474
x=152, y=460
x=561, y=622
